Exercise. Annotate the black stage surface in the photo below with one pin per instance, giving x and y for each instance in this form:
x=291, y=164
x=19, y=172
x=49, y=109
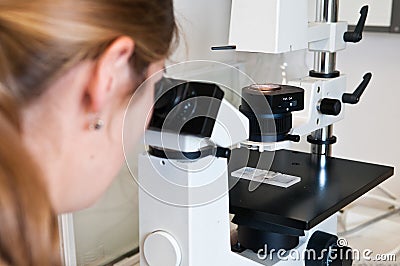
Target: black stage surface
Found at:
x=327, y=185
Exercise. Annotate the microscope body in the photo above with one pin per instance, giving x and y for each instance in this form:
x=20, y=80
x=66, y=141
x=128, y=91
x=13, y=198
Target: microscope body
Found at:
x=198, y=232
x=187, y=191
x=187, y=226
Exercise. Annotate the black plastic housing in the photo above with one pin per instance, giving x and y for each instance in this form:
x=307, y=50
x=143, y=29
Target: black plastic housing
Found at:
x=270, y=111
x=183, y=107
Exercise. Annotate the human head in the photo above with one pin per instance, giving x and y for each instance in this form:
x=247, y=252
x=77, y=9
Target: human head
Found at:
x=70, y=63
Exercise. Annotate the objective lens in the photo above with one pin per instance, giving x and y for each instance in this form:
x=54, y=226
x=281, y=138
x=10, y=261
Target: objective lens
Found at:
x=269, y=109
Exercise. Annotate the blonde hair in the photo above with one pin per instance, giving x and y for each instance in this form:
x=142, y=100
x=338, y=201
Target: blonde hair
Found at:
x=39, y=41
x=28, y=231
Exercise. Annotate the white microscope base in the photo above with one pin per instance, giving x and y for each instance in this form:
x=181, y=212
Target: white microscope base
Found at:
x=176, y=229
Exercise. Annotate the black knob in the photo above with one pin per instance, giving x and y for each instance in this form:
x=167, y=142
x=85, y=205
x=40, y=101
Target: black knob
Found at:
x=342, y=256
x=318, y=244
x=330, y=107
x=324, y=249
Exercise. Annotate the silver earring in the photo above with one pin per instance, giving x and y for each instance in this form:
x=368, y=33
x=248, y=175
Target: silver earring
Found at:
x=97, y=124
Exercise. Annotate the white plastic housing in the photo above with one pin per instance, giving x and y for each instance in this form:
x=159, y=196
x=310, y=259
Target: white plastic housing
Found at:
x=269, y=26
x=327, y=37
x=310, y=119
x=194, y=234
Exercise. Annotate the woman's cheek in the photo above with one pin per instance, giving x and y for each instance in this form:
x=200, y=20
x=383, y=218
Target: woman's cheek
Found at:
x=150, y=105
x=138, y=116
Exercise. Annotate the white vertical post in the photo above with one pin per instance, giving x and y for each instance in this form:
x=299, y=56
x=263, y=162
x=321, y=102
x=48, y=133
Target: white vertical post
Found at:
x=67, y=239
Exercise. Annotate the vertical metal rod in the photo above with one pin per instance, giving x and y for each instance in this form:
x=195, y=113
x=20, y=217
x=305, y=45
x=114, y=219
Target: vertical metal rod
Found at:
x=327, y=11
x=323, y=134
x=325, y=63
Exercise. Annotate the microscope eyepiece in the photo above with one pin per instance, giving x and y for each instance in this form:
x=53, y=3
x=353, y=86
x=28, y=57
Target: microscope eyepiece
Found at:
x=185, y=107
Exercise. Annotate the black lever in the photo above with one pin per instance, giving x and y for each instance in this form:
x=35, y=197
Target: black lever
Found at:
x=353, y=98
x=356, y=35
x=225, y=47
x=293, y=138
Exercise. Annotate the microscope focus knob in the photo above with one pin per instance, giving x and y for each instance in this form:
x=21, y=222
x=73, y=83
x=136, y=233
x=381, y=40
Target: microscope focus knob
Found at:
x=330, y=107
x=343, y=256
x=325, y=249
x=160, y=249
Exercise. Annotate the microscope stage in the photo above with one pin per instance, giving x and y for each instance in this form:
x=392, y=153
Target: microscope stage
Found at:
x=327, y=185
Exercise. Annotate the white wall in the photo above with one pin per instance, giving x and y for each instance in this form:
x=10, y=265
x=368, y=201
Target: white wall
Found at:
x=203, y=24
x=108, y=229
x=370, y=130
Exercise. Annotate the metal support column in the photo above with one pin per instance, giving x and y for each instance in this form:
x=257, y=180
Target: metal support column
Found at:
x=325, y=65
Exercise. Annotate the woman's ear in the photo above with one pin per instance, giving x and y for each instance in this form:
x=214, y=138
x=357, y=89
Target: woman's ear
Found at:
x=109, y=69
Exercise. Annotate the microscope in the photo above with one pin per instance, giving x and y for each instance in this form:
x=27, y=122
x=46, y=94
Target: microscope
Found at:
x=207, y=160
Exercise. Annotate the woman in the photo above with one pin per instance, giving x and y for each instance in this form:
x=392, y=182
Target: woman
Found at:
x=67, y=72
